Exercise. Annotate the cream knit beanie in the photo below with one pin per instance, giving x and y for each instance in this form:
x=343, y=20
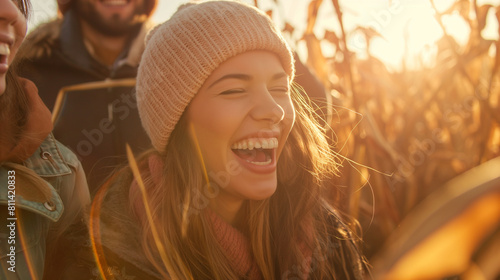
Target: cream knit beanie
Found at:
x=182, y=52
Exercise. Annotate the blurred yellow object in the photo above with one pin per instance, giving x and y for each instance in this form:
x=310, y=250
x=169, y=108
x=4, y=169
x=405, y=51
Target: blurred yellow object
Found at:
x=450, y=233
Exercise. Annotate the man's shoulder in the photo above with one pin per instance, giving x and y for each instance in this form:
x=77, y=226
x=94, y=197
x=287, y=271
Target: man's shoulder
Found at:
x=41, y=41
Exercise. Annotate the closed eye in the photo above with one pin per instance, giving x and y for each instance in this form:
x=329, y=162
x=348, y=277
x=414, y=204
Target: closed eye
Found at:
x=232, y=91
x=280, y=89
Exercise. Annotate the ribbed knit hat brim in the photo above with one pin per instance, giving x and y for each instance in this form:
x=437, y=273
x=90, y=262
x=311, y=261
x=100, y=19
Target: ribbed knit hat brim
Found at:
x=182, y=52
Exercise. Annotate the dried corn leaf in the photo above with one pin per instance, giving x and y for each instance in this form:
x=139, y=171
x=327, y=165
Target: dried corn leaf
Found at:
x=315, y=58
x=312, y=14
x=331, y=37
x=288, y=28
x=482, y=13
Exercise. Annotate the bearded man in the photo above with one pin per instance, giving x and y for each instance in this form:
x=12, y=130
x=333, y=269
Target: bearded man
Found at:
x=92, y=41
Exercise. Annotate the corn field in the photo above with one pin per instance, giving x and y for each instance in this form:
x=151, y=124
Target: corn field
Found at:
x=402, y=134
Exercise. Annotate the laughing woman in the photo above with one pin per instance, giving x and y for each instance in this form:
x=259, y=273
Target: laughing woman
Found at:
x=234, y=187
x=43, y=190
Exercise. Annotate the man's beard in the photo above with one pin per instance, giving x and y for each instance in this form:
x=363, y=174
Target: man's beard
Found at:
x=114, y=27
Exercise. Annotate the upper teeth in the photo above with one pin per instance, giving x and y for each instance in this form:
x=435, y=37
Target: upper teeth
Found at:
x=257, y=143
x=115, y=2
x=4, y=49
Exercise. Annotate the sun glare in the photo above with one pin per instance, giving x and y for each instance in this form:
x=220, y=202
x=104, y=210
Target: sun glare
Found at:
x=414, y=35
x=456, y=26
x=422, y=33
x=408, y=31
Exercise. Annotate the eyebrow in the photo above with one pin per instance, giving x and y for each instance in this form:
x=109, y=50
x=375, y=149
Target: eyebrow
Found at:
x=245, y=77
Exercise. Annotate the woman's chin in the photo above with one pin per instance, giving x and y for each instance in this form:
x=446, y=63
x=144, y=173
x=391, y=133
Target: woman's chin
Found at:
x=263, y=191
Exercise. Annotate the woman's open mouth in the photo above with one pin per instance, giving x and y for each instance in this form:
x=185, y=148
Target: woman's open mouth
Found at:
x=257, y=151
x=4, y=56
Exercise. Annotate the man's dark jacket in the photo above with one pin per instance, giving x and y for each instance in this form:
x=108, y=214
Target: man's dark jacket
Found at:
x=95, y=124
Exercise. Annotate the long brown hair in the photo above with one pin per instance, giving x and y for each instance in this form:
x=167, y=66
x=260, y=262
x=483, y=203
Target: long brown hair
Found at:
x=295, y=217
x=14, y=106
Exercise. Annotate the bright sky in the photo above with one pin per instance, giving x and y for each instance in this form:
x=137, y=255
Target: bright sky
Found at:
x=389, y=17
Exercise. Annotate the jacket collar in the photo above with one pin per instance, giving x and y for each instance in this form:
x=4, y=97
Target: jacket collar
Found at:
x=47, y=162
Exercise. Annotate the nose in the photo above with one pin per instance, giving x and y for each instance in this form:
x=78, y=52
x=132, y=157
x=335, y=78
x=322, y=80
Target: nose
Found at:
x=9, y=12
x=266, y=108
